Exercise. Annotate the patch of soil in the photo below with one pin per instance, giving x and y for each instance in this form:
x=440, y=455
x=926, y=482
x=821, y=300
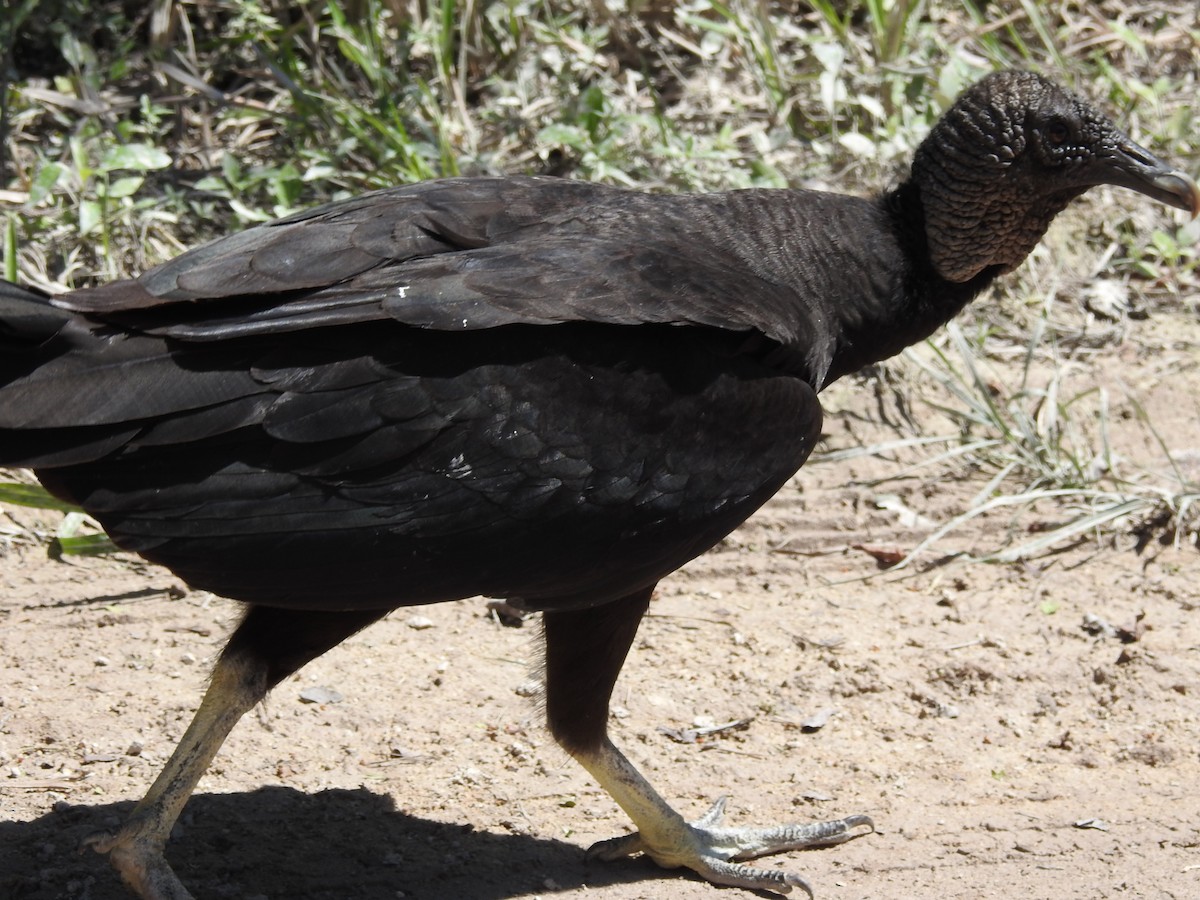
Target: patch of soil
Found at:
x=1027, y=729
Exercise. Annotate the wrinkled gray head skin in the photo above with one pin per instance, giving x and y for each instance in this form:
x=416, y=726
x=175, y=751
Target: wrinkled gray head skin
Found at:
x=1010, y=154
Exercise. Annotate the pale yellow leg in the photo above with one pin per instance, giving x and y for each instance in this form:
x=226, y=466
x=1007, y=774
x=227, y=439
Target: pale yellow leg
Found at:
x=702, y=846
x=268, y=645
x=136, y=850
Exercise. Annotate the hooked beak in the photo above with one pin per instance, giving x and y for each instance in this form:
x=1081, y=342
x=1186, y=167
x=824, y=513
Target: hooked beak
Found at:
x=1131, y=166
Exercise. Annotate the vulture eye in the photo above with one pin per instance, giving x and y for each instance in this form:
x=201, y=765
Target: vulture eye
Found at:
x=1057, y=133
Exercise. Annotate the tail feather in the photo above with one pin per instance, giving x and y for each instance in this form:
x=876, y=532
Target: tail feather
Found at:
x=27, y=318
x=28, y=325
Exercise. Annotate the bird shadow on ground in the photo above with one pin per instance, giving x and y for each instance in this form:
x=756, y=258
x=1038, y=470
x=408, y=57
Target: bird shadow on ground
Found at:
x=277, y=842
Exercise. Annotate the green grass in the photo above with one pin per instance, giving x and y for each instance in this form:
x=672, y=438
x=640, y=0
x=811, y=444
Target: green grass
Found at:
x=137, y=137
x=126, y=137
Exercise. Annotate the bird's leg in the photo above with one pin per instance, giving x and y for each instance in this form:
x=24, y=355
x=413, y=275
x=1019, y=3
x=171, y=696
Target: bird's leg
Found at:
x=266, y=647
x=584, y=653
x=703, y=845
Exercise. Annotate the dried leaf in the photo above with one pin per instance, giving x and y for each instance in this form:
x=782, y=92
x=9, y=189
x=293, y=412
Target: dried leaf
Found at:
x=885, y=556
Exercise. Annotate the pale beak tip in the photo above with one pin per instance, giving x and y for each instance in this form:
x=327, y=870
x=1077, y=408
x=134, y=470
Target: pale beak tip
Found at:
x=1179, y=186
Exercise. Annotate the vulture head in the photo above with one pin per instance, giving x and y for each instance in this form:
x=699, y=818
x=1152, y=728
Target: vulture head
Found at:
x=1010, y=154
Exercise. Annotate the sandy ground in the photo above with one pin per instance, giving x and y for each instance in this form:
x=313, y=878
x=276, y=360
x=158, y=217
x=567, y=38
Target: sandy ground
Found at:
x=1005, y=746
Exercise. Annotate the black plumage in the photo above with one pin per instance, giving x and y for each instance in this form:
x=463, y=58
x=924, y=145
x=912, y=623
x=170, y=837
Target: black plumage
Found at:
x=543, y=390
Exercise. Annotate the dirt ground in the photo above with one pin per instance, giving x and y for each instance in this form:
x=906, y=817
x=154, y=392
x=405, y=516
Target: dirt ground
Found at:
x=1020, y=730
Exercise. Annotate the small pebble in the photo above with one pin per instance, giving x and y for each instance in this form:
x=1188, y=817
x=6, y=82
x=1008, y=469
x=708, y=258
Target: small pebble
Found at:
x=320, y=695
x=529, y=689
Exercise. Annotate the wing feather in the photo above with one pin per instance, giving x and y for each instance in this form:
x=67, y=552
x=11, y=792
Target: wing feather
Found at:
x=466, y=254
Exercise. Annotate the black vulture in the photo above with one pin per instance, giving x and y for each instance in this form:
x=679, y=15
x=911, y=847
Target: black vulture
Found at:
x=536, y=389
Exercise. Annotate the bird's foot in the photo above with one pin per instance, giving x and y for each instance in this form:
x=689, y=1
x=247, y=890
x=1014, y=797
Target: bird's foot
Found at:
x=139, y=860
x=712, y=851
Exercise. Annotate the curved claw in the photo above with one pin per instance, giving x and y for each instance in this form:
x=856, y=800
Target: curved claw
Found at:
x=713, y=815
x=612, y=849
x=100, y=841
x=752, y=842
x=718, y=871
